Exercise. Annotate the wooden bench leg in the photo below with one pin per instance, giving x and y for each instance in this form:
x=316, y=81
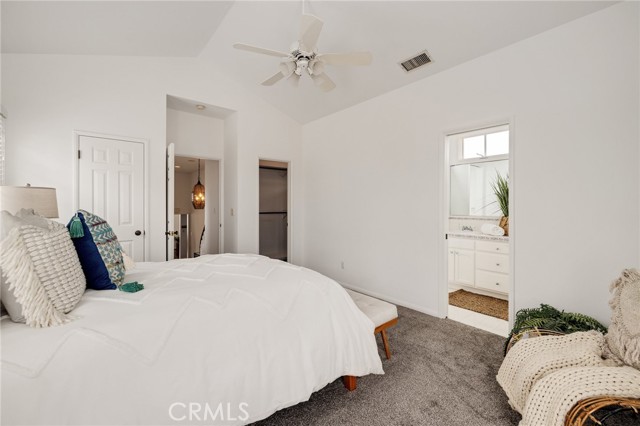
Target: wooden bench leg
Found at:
x=350, y=382
x=385, y=343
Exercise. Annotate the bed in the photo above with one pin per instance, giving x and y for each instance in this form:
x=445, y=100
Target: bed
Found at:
x=220, y=339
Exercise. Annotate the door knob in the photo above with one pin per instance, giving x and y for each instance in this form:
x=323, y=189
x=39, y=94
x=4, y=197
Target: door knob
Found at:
x=138, y=232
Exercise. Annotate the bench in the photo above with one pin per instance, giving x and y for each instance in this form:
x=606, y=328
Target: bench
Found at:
x=382, y=314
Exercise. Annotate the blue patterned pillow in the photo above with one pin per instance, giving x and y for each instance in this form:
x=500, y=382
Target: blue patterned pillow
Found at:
x=99, y=252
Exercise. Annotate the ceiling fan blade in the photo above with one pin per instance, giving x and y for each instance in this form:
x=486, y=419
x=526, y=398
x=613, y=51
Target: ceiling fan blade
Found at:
x=355, y=58
x=273, y=79
x=323, y=82
x=286, y=68
x=310, y=27
x=294, y=79
x=260, y=50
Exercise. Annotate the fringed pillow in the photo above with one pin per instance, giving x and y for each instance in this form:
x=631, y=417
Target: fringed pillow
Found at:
x=42, y=273
x=623, y=337
x=99, y=251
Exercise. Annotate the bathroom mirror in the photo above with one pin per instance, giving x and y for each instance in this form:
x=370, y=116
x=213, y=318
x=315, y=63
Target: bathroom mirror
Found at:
x=470, y=188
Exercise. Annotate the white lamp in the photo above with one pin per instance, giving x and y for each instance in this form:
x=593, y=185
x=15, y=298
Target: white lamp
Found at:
x=42, y=200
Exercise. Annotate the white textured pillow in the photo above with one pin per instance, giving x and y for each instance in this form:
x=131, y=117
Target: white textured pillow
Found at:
x=623, y=337
x=129, y=263
x=42, y=273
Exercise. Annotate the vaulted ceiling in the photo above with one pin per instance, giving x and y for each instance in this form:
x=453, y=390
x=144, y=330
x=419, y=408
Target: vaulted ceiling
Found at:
x=453, y=32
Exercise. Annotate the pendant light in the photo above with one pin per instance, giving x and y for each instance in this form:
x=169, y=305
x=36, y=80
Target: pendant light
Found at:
x=197, y=196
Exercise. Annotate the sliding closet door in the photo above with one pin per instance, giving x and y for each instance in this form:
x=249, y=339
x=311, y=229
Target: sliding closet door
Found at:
x=273, y=212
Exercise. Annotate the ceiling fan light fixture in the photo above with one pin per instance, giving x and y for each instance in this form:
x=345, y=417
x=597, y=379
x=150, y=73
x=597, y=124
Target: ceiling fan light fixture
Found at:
x=304, y=56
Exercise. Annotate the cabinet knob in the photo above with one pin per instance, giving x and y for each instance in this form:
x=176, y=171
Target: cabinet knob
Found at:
x=497, y=264
x=497, y=283
x=497, y=248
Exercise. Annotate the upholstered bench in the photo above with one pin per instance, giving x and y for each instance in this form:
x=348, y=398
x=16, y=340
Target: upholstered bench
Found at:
x=383, y=315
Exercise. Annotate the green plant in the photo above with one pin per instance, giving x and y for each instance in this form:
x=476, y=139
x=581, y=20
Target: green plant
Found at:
x=500, y=187
x=546, y=317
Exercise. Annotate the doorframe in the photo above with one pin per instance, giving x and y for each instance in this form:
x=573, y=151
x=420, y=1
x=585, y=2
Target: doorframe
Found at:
x=220, y=193
x=77, y=134
x=289, y=164
x=443, y=284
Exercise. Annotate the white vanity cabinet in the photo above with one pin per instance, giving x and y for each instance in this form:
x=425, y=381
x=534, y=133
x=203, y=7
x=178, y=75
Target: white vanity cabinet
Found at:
x=492, y=266
x=480, y=264
x=461, y=261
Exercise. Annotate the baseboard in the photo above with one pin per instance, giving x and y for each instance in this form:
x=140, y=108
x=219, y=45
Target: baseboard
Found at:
x=392, y=300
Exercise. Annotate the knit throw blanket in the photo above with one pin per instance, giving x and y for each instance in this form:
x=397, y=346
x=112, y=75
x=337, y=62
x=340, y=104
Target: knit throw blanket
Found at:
x=555, y=394
x=532, y=359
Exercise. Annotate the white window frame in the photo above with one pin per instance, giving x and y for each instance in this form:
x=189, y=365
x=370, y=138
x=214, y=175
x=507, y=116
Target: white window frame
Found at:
x=458, y=139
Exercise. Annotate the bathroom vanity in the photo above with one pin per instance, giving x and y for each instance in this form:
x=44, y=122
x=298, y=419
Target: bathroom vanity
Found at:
x=479, y=262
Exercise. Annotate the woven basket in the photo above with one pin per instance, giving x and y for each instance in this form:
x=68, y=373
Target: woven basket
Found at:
x=582, y=413
x=534, y=332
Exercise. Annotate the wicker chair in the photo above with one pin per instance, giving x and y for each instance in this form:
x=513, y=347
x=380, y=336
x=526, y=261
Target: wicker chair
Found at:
x=596, y=411
x=589, y=411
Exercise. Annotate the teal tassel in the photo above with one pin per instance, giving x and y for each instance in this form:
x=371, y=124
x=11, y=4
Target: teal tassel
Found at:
x=75, y=230
x=131, y=287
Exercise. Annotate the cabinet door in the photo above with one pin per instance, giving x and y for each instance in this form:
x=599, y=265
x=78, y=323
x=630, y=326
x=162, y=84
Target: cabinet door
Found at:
x=465, y=266
x=452, y=265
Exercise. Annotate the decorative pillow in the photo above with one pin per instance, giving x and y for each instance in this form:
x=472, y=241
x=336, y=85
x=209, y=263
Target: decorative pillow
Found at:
x=623, y=337
x=99, y=252
x=43, y=277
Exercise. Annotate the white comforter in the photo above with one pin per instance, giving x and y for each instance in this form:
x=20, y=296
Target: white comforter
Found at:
x=225, y=339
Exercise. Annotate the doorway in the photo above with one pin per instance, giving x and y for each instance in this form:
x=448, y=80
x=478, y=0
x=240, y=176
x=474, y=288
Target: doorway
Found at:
x=476, y=222
x=196, y=228
x=273, y=209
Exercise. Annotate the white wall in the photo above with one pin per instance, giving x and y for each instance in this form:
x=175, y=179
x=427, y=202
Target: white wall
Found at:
x=373, y=173
x=195, y=135
x=183, y=185
x=48, y=96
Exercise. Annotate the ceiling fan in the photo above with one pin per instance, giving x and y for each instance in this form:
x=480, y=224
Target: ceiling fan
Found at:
x=304, y=57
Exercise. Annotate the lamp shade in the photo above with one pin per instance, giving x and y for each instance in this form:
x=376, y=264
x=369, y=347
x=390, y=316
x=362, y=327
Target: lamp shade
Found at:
x=42, y=200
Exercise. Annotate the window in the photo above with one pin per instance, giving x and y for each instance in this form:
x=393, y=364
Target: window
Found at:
x=486, y=143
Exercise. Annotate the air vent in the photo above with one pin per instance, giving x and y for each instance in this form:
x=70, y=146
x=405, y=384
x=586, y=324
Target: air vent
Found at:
x=416, y=62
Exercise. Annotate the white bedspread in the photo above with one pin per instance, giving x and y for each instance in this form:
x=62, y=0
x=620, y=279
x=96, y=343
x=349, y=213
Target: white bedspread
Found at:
x=225, y=339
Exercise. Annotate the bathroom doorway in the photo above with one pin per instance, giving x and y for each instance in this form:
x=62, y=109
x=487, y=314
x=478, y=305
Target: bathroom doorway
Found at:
x=196, y=228
x=478, y=237
x=274, y=209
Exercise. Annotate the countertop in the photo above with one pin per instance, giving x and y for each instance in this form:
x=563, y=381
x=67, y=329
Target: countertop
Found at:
x=477, y=236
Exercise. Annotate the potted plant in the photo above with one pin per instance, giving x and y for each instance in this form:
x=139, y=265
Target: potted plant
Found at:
x=547, y=320
x=500, y=188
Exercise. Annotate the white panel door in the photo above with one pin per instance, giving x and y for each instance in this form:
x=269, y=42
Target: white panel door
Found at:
x=111, y=185
x=170, y=232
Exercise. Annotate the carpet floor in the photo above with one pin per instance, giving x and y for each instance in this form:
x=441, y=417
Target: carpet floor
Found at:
x=441, y=373
x=486, y=305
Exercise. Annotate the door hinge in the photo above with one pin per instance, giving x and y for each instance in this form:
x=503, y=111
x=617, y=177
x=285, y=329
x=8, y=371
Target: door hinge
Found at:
x=79, y=154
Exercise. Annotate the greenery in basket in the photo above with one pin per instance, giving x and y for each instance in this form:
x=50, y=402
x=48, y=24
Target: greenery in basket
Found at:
x=500, y=187
x=547, y=317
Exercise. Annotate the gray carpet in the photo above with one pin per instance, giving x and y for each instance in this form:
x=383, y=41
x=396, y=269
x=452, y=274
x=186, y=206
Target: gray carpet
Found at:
x=441, y=373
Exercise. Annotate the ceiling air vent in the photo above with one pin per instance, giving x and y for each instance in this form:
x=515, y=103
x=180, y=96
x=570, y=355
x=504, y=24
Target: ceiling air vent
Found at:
x=416, y=62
